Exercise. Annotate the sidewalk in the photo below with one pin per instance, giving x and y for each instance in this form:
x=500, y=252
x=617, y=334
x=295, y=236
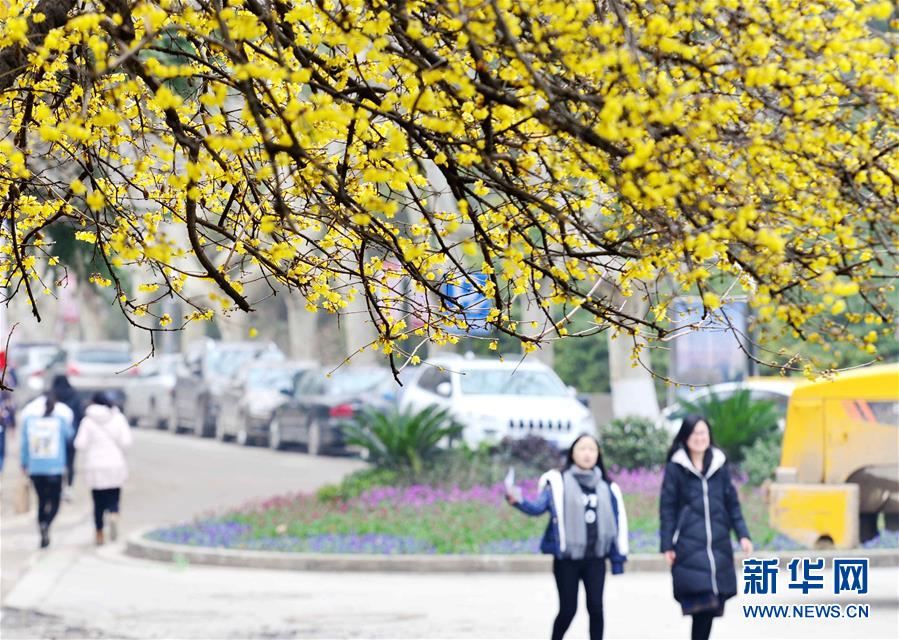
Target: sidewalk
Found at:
x=123, y=597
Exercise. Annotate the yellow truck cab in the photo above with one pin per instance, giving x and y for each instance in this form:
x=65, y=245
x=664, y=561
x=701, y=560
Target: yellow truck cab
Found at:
x=839, y=466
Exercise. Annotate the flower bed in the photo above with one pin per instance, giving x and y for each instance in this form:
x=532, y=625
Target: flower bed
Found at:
x=420, y=519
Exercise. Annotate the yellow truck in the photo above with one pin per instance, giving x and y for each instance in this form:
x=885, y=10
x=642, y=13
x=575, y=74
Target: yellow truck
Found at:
x=839, y=466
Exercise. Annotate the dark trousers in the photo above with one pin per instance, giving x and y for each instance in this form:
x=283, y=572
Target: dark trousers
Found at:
x=48, y=490
x=70, y=463
x=105, y=500
x=702, y=625
x=569, y=574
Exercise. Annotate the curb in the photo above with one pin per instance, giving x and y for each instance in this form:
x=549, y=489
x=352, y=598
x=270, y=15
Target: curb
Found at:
x=137, y=546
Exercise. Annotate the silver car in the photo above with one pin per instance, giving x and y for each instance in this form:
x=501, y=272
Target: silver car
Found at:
x=203, y=375
x=148, y=396
x=34, y=364
x=249, y=400
x=100, y=366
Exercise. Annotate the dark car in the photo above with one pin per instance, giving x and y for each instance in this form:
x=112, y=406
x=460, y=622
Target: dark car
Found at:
x=321, y=404
x=203, y=376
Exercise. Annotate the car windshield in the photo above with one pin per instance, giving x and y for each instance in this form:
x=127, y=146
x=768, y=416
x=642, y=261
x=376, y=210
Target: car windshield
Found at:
x=40, y=356
x=224, y=363
x=274, y=379
x=505, y=382
x=349, y=381
x=103, y=356
x=159, y=365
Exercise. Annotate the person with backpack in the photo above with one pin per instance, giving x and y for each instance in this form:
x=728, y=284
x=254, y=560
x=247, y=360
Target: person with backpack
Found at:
x=588, y=524
x=698, y=508
x=103, y=437
x=38, y=407
x=43, y=456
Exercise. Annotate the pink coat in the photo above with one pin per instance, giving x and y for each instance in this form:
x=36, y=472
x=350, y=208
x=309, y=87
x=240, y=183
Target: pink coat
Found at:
x=102, y=438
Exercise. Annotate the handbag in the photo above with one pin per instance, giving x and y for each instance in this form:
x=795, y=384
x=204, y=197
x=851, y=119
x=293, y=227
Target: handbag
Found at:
x=22, y=497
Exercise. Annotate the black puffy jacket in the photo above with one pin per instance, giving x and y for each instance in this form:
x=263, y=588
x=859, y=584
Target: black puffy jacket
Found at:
x=697, y=514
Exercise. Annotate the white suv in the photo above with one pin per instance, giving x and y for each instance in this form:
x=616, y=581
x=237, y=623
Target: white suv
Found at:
x=493, y=399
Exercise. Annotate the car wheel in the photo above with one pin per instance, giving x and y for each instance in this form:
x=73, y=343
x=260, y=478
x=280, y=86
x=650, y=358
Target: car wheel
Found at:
x=314, y=438
x=200, y=419
x=172, y=424
x=867, y=526
x=220, y=433
x=274, y=435
x=152, y=417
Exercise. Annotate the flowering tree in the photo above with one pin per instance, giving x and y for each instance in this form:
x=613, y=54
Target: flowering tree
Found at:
x=570, y=154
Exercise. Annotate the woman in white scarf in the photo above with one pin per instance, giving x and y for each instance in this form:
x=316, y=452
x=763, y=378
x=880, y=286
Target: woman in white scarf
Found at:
x=588, y=525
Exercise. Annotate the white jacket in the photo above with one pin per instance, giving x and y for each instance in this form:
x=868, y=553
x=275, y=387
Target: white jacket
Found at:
x=103, y=436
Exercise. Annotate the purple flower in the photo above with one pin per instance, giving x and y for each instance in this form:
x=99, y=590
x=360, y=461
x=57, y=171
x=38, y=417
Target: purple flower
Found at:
x=203, y=534
x=367, y=543
x=504, y=547
x=638, y=481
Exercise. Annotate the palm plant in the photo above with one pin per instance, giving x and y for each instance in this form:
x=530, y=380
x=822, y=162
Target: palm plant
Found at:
x=402, y=440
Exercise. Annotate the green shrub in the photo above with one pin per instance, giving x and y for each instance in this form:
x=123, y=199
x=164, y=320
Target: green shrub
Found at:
x=634, y=442
x=737, y=421
x=761, y=459
x=402, y=440
x=461, y=466
x=357, y=483
x=531, y=452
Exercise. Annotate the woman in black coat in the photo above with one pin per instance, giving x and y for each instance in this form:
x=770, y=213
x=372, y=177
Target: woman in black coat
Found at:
x=68, y=395
x=698, y=509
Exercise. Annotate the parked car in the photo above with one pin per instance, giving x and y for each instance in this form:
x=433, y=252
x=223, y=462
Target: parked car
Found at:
x=33, y=363
x=497, y=399
x=148, y=396
x=775, y=389
x=98, y=366
x=202, y=376
x=249, y=400
x=321, y=403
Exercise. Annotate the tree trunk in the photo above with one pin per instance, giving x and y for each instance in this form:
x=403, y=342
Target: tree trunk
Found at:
x=301, y=328
x=531, y=312
x=358, y=332
x=234, y=327
x=633, y=388
x=91, y=311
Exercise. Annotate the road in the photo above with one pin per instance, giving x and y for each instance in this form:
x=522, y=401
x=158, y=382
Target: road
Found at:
x=75, y=590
